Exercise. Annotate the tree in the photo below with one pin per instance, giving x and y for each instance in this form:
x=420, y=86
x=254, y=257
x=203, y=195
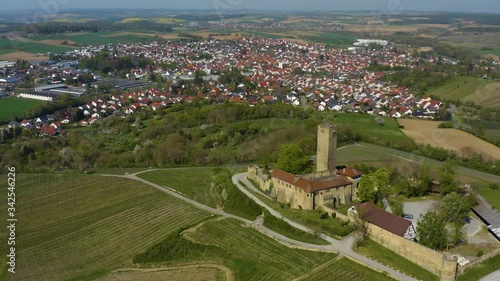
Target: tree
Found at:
x=292, y=159
x=366, y=189
x=431, y=231
x=447, y=180
x=455, y=208
x=424, y=179
x=381, y=179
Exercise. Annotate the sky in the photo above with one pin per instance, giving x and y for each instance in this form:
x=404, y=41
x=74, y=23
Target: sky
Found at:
x=389, y=6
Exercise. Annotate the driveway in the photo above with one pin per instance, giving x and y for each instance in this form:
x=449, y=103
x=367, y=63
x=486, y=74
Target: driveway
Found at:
x=418, y=208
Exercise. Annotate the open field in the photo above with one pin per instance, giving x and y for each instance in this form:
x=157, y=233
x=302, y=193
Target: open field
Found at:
x=481, y=91
x=330, y=38
x=427, y=132
x=192, y=182
x=380, y=155
x=12, y=106
x=182, y=273
x=13, y=55
x=103, y=38
x=377, y=252
x=83, y=226
x=366, y=125
x=492, y=195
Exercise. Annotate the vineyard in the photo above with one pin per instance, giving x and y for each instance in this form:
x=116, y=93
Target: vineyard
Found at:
x=345, y=269
x=84, y=226
x=185, y=273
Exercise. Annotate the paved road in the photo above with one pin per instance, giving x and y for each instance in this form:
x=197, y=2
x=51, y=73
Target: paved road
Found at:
x=342, y=247
x=494, y=276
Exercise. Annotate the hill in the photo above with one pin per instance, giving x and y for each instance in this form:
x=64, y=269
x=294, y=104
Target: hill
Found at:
x=481, y=91
x=84, y=226
x=427, y=132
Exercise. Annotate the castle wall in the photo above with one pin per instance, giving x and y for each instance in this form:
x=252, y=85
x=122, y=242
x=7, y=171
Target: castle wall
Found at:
x=427, y=258
x=295, y=196
x=253, y=174
x=335, y=196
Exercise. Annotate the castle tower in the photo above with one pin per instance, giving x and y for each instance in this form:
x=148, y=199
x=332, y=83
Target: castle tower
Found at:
x=327, y=147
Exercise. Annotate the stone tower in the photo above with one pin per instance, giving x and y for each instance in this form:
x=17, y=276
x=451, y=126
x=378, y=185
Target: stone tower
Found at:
x=327, y=147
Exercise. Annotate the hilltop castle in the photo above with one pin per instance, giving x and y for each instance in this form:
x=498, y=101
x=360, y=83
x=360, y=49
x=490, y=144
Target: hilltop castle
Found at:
x=327, y=186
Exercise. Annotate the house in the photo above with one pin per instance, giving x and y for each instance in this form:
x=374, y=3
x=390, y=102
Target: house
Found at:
x=48, y=131
x=385, y=220
x=27, y=123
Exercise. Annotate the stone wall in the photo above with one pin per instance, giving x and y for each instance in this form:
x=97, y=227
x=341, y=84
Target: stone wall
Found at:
x=464, y=268
x=254, y=175
x=429, y=259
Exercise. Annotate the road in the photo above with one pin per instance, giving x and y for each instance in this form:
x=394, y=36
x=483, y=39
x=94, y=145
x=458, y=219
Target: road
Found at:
x=342, y=247
x=494, y=276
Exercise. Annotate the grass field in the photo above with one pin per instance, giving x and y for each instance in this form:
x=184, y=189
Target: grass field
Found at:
x=375, y=251
x=192, y=182
x=492, y=195
x=480, y=91
x=331, y=38
x=366, y=126
x=74, y=226
x=427, y=132
x=103, y=38
x=481, y=270
x=10, y=107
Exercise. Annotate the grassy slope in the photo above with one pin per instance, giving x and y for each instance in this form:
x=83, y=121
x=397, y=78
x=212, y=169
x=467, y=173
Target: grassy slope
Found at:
x=253, y=256
x=483, y=269
x=17, y=106
x=366, y=125
x=481, y=91
x=286, y=229
x=493, y=196
x=71, y=226
x=192, y=182
x=375, y=251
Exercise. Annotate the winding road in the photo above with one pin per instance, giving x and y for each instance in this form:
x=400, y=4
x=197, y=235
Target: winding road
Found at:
x=342, y=247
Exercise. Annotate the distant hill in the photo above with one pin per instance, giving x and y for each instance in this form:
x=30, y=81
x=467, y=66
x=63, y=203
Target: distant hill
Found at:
x=481, y=91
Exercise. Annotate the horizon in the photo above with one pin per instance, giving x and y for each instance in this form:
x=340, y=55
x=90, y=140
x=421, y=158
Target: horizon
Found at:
x=218, y=6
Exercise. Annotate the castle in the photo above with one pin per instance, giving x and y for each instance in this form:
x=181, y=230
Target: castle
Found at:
x=327, y=186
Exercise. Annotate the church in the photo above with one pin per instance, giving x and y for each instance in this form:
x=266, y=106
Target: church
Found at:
x=326, y=186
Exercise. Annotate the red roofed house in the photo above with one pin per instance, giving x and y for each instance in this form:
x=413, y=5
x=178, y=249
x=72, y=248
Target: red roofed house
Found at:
x=385, y=220
x=326, y=186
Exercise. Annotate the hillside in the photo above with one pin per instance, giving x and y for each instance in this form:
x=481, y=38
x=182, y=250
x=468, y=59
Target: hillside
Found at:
x=481, y=91
x=82, y=226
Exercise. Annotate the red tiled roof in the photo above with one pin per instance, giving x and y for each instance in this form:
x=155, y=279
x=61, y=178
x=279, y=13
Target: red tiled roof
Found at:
x=311, y=185
x=383, y=219
x=349, y=172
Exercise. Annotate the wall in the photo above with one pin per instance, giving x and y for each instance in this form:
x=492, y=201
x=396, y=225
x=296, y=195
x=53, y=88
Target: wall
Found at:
x=464, y=268
x=429, y=259
x=253, y=174
x=288, y=193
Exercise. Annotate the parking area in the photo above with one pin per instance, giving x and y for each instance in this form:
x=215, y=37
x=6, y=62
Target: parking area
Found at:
x=418, y=209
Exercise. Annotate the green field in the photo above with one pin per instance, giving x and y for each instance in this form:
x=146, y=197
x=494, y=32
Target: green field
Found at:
x=11, y=107
x=330, y=38
x=73, y=226
x=492, y=195
x=481, y=91
x=192, y=182
x=103, y=38
x=264, y=34
x=481, y=270
x=489, y=52
x=367, y=127
x=377, y=252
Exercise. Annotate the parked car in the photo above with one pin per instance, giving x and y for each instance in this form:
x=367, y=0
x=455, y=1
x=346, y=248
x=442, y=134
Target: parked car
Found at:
x=408, y=216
